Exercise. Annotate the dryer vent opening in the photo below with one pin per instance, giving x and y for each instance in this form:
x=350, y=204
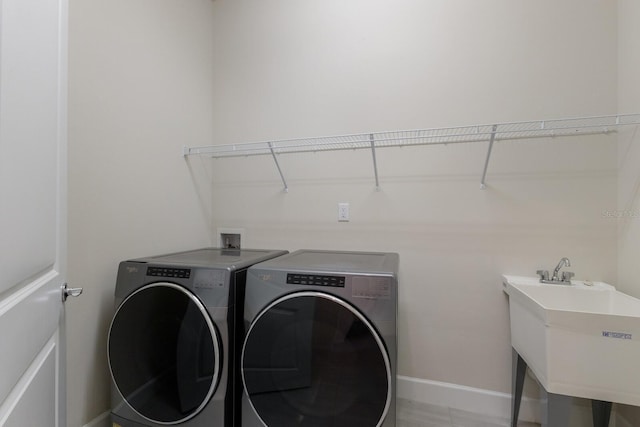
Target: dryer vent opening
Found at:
x=230, y=240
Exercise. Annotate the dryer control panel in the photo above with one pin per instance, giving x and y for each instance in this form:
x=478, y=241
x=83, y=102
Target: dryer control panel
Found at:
x=315, y=280
x=179, y=273
x=371, y=287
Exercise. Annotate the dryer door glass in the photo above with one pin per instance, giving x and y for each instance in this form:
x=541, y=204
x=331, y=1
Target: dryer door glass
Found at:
x=311, y=359
x=164, y=353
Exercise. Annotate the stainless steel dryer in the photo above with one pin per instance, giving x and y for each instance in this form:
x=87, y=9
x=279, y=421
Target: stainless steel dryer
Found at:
x=171, y=347
x=320, y=347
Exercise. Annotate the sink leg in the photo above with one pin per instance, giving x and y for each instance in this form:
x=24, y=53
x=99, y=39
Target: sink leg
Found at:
x=518, y=369
x=556, y=409
x=601, y=411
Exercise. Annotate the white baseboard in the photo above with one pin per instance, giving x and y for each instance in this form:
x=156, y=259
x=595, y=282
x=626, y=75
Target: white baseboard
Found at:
x=101, y=420
x=465, y=398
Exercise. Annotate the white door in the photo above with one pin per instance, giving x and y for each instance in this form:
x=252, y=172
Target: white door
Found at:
x=33, y=39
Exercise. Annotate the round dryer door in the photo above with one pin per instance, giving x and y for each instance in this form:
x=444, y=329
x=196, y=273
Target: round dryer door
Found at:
x=311, y=359
x=164, y=353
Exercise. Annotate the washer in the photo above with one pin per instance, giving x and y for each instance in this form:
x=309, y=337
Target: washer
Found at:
x=172, y=349
x=320, y=348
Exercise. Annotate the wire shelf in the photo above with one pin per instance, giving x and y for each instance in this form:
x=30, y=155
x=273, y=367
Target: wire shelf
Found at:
x=452, y=135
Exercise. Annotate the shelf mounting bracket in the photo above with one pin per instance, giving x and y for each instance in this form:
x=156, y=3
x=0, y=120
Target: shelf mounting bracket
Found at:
x=483, y=185
x=275, y=159
x=375, y=163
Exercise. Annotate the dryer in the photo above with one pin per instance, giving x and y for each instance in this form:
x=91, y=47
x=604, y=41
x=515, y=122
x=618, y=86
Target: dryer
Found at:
x=320, y=348
x=172, y=345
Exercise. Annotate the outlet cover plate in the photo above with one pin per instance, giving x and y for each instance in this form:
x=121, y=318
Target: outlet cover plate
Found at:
x=343, y=212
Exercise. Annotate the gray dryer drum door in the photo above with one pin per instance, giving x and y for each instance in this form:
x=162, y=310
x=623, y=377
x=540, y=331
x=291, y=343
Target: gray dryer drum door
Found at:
x=312, y=359
x=164, y=353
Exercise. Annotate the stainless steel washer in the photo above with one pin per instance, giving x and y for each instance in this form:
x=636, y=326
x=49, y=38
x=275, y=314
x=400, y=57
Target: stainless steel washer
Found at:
x=320, y=347
x=172, y=344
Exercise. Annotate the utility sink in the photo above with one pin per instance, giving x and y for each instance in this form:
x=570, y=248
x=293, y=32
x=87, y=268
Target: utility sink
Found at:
x=580, y=339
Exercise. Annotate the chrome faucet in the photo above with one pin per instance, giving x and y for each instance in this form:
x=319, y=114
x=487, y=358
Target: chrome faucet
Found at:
x=565, y=278
x=563, y=262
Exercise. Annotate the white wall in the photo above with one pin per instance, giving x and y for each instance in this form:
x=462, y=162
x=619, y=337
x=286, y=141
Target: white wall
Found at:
x=148, y=76
x=140, y=88
x=285, y=68
x=629, y=158
x=629, y=147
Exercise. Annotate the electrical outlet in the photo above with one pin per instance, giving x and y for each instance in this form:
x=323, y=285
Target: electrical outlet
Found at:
x=343, y=212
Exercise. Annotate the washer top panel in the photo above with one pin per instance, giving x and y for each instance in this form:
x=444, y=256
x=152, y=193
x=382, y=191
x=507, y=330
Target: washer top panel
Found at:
x=335, y=261
x=230, y=259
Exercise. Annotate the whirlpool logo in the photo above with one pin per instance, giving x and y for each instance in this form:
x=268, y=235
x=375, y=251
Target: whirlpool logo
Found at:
x=132, y=269
x=618, y=335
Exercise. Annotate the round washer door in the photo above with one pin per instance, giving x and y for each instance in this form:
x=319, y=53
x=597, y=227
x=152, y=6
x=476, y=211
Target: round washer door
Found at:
x=311, y=359
x=164, y=353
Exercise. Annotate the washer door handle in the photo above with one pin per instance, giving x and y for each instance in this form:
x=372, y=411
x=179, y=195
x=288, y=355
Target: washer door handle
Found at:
x=69, y=292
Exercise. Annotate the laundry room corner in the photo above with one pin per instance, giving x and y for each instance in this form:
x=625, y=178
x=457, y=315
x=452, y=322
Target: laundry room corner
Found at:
x=628, y=156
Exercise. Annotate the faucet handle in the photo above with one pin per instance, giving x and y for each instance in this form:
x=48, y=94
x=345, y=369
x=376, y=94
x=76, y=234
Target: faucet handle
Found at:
x=566, y=276
x=544, y=274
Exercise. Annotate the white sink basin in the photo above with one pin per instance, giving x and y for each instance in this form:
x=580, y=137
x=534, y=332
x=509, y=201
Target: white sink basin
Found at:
x=578, y=340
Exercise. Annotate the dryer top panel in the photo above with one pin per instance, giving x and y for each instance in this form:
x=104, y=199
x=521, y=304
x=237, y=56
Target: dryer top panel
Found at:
x=336, y=262
x=230, y=259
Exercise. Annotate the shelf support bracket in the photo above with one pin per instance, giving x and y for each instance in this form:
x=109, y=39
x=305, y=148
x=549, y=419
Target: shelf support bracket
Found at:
x=375, y=163
x=275, y=159
x=486, y=162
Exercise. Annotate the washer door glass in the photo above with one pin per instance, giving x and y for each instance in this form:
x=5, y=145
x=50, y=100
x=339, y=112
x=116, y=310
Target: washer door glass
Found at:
x=311, y=359
x=164, y=353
